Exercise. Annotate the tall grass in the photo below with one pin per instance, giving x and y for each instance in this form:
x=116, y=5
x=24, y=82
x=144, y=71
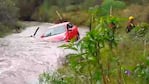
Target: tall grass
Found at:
x=104, y=57
x=96, y=62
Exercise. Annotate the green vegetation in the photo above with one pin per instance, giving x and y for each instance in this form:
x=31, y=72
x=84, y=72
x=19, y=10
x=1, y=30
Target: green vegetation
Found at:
x=8, y=14
x=70, y=10
x=105, y=56
x=8, y=17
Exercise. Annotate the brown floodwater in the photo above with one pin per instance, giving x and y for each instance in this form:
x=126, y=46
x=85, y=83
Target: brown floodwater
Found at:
x=23, y=58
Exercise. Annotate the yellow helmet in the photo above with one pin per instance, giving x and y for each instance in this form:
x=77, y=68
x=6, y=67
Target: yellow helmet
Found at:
x=131, y=18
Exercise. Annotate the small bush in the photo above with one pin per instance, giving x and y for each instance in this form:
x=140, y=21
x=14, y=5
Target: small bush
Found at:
x=79, y=17
x=4, y=30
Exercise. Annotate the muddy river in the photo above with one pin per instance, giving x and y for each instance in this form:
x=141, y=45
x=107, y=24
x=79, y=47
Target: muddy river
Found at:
x=23, y=58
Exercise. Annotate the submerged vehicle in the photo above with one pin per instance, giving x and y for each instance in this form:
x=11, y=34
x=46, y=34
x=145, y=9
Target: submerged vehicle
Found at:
x=61, y=32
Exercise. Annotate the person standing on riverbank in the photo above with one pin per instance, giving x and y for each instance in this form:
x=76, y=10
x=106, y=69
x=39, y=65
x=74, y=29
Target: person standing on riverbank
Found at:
x=130, y=24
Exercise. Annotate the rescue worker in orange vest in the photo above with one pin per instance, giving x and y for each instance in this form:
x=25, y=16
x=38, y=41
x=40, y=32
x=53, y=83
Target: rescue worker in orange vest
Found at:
x=130, y=24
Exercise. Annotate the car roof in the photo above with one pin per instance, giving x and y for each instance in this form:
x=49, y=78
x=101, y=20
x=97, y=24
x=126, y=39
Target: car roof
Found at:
x=60, y=24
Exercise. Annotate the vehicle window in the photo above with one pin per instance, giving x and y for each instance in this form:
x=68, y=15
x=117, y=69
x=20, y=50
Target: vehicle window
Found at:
x=55, y=31
x=69, y=25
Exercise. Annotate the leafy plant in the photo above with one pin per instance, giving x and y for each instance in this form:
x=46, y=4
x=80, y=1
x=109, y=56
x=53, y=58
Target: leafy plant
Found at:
x=88, y=63
x=141, y=71
x=108, y=5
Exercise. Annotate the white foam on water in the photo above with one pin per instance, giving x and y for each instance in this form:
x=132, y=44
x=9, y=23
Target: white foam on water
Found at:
x=23, y=58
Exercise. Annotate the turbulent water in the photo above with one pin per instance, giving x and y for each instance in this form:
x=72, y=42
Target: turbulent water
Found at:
x=23, y=58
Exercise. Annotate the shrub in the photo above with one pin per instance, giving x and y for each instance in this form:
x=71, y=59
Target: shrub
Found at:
x=8, y=12
x=8, y=16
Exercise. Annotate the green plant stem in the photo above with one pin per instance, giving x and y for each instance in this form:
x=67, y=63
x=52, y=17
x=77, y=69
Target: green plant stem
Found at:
x=99, y=62
x=90, y=73
x=119, y=73
x=109, y=67
x=75, y=82
x=144, y=47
